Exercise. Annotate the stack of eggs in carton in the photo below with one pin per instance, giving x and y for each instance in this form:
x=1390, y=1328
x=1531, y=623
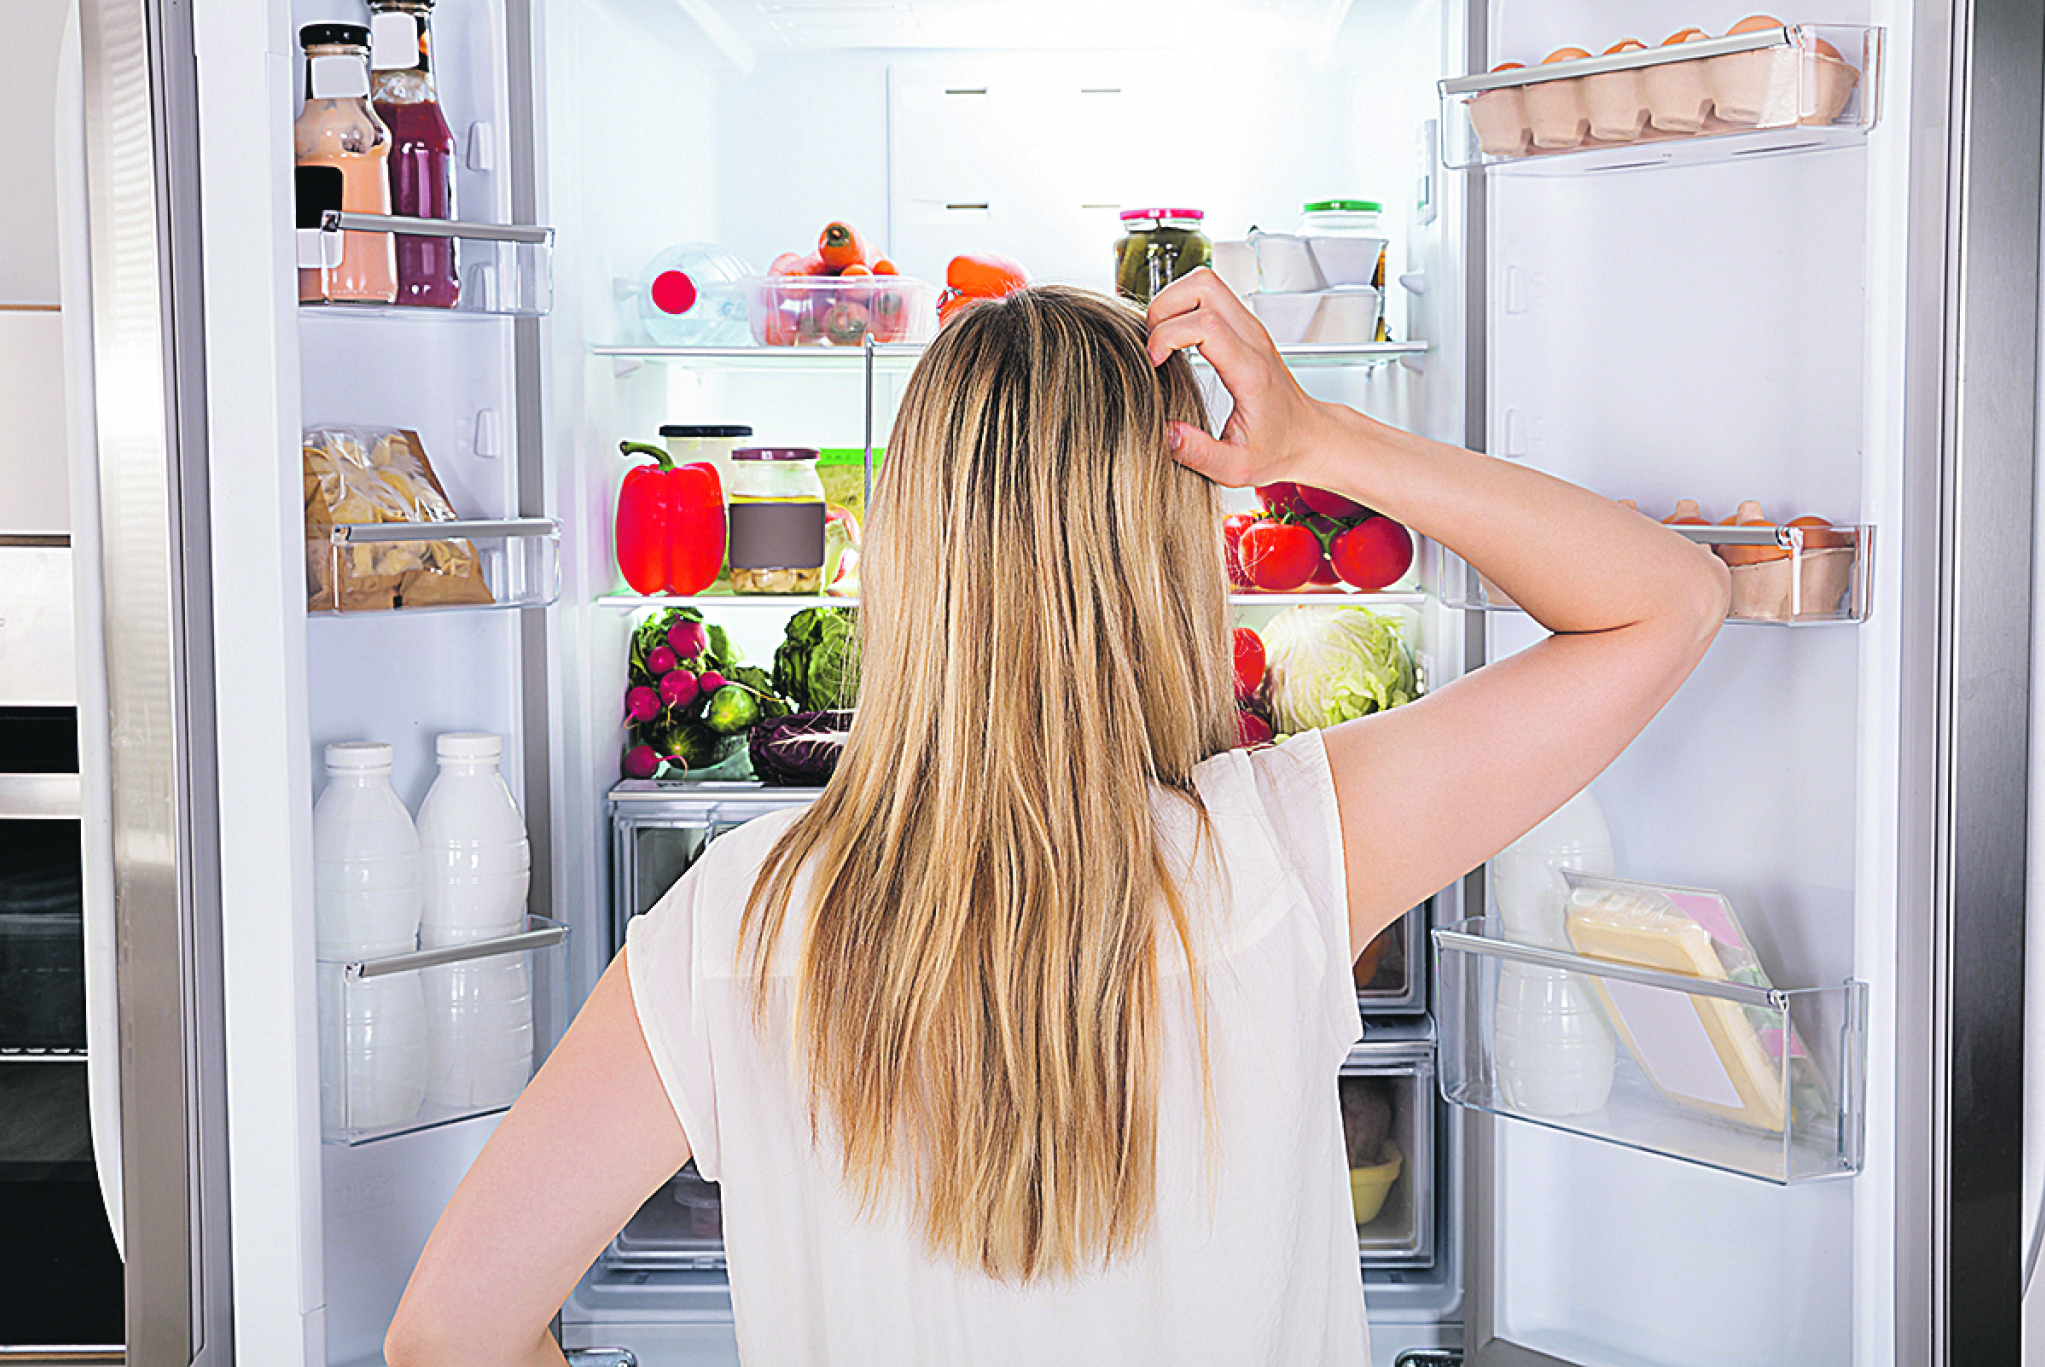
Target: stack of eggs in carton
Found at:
x=1323, y=283
x=1800, y=80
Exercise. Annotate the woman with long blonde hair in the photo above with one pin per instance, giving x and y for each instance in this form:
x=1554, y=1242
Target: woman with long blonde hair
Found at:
x=1018, y=1044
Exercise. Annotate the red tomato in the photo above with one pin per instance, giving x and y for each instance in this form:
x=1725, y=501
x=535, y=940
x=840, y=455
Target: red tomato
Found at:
x=1282, y=498
x=1373, y=553
x=1249, y=653
x=1251, y=729
x=1328, y=502
x=1277, y=556
x=1232, y=528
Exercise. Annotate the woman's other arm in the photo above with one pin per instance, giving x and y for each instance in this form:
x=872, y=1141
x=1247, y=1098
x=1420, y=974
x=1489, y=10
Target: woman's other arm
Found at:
x=1430, y=790
x=590, y=1139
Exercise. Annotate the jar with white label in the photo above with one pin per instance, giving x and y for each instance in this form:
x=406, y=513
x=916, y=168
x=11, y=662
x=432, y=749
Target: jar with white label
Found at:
x=775, y=512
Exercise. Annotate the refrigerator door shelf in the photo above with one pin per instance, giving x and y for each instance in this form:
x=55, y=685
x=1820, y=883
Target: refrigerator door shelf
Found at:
x=414, y=567
x=515, y=1017
x=1712, y=99
x=506, y=271
x=1817, y=576
x=1673, y=1080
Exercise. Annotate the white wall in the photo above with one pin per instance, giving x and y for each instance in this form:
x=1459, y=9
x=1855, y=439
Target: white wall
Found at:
x=33, y=494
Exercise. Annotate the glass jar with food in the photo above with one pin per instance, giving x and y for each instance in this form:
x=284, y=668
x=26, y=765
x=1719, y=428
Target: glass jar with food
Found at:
x=1157, y=247
x=775, y=507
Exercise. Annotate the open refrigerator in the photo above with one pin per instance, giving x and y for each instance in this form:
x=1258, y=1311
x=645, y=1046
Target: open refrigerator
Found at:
x=1766, y=310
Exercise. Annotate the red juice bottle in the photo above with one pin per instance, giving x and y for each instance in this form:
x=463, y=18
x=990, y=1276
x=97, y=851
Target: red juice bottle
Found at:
x=422, y=147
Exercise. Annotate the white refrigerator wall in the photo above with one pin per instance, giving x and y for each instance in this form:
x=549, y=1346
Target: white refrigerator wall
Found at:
x=1717, y=332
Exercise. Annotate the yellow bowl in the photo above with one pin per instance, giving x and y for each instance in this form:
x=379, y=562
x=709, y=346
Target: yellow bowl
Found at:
x=1369, y=1186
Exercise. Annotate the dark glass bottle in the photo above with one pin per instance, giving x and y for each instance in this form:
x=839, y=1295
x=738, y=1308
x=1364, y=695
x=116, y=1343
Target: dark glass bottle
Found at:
x=422, y=147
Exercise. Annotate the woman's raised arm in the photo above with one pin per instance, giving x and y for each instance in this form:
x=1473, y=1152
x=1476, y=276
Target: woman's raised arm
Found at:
x=1430, y=790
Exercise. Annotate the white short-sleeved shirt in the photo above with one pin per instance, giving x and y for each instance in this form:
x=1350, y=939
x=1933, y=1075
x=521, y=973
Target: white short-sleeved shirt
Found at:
x=1256, y=1265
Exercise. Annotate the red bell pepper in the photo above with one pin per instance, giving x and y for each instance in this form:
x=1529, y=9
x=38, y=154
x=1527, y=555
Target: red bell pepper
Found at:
x=670, y=529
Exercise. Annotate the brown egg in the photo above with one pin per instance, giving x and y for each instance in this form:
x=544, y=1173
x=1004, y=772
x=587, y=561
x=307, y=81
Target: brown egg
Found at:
x=1749, y=515
x=1564, y=54
x=1626, y=45
x=1819, y=534
x=1686, y=515
x=1754, y=23
x=1685, y=35
x=1510, y=66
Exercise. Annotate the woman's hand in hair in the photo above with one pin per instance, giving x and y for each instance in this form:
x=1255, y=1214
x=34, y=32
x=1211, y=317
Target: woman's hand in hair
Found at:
x=1275, y=427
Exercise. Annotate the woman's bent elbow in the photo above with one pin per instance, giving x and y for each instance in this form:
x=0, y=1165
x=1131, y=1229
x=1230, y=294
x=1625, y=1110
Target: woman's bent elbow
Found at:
x=1710, y=595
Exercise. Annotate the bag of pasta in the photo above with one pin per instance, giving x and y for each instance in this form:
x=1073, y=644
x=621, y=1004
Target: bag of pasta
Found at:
x=358, y=477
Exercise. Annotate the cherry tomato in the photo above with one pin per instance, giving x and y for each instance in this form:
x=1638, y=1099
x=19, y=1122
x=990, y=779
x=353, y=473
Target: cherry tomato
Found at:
x=1328, y=502
x=1249, y=662
x=1282, y=498
x=1277, y=556
x=1251, y=729
x=1232, y=528
x=1373, y=553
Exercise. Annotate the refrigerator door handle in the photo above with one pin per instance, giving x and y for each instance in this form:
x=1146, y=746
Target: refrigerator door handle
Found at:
x=88, y=595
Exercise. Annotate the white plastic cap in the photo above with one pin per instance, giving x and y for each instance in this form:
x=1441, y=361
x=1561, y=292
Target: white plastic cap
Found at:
x=469, y=746
x=358, y=756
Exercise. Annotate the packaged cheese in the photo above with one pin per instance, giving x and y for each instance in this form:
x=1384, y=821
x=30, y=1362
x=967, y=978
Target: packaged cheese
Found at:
x=359, y=476
x=1706, y=1053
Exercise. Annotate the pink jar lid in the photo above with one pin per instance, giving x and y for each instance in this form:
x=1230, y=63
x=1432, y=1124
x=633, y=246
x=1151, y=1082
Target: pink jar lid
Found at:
x=1129, y=214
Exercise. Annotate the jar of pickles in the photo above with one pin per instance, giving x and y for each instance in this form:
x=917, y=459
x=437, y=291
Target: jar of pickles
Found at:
x=1157, y=247
x=775, y=511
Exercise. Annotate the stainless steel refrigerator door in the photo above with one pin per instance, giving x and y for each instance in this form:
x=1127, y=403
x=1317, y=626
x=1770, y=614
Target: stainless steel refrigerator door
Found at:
x=141, y=169
x=1972, y=427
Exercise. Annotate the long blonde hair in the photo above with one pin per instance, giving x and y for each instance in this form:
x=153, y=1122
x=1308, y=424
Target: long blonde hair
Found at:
x=1044, y=643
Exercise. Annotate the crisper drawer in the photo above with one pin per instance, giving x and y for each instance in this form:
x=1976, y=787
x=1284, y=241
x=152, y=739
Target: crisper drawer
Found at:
x=1391, y=973
x=1388, y=1126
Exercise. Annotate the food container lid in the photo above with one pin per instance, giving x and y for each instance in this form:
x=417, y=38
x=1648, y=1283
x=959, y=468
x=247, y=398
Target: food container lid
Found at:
x=469, y=745
x=848, y=455
x=775, y=453
x=677, y=429
x=329, y=35
x=359, y=756
x=1343, y=206
x=1130, y=215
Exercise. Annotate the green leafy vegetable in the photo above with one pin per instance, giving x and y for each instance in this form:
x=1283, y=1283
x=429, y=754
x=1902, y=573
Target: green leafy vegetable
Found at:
x=817, y=665
x=1329, y=665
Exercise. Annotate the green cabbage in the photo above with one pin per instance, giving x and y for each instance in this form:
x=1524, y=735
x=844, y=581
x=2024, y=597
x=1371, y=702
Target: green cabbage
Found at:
x=816, y=667
x=1329, y=665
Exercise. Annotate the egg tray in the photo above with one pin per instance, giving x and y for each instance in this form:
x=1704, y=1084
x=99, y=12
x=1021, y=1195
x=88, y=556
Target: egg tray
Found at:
x=1813, y=576
x=1761, y=82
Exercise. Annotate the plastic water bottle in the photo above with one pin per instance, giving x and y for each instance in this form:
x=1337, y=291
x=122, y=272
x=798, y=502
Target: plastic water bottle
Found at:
x=373, y=1031
x=478, y=866
x=690, y=295
x=1552, y=1047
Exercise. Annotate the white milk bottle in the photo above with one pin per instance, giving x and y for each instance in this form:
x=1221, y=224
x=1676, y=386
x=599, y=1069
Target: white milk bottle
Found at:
x=373, y=1031
x=1553, y=1049
x=477, y=868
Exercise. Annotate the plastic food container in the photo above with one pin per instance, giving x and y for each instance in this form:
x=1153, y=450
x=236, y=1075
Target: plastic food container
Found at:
x=1285, y=264
x=842, y=470
x=1158, y=246
x=1286, y=315
x=1235, y=261
x=1345, y=241
x=1368, y=1187
x=825, y=310
x=775, y=509
x=1346, y=316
